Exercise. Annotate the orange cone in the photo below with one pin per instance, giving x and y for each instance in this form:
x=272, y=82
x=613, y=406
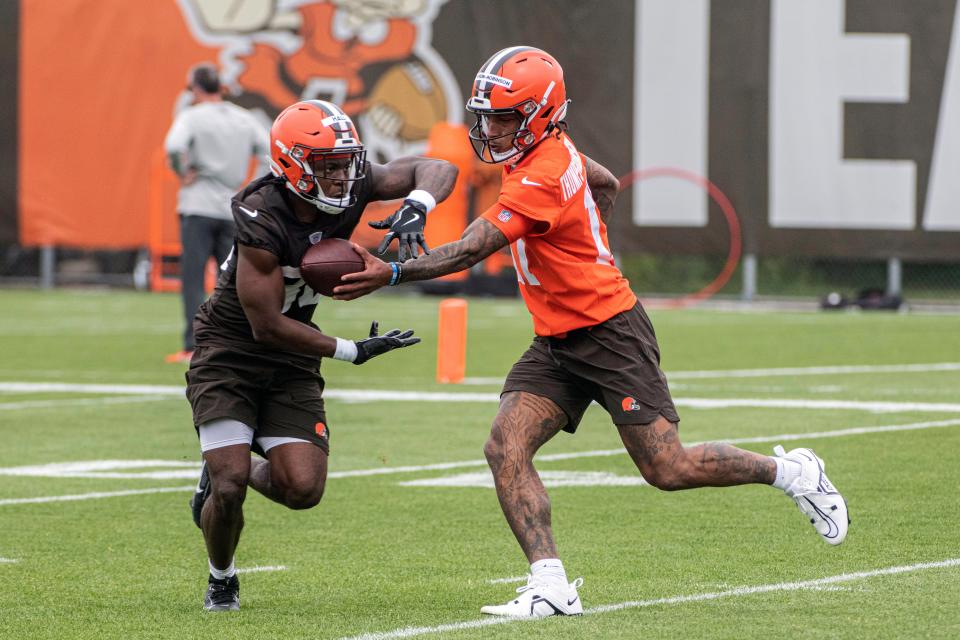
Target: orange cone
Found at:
x=452, y=341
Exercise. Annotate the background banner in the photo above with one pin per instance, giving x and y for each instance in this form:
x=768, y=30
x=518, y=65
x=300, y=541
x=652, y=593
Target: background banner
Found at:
x=832, y=126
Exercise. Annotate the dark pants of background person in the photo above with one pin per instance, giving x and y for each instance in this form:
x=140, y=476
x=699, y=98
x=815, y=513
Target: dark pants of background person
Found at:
x=200, y=238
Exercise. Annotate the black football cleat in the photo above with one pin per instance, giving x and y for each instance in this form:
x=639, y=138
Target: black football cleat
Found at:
x=222, y=595
x=201, y=494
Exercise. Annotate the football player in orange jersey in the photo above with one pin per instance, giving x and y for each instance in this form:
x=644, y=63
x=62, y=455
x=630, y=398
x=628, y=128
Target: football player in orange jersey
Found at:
x=593, y=339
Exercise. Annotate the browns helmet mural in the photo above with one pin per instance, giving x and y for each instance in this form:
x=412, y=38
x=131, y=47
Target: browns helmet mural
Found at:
x=373, y=58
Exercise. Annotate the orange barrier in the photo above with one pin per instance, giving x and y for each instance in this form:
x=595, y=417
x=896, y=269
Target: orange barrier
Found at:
x=477, y=188
x=163, y=242
x=452, y=341
x=448, y=220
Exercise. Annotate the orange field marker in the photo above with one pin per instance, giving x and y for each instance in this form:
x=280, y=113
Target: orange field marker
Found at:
x=452, y=341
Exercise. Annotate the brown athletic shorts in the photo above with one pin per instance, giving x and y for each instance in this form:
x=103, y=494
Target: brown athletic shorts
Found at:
x=616, y=363
x=274, y=399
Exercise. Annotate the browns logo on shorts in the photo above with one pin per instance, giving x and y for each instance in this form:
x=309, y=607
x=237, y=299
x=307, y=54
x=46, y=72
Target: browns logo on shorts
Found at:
x=616, y=363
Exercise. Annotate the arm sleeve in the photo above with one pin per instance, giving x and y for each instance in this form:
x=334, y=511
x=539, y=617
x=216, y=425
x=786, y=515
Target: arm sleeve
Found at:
x=512, y=225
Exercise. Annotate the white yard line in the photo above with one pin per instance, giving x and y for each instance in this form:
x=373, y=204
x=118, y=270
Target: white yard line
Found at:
x=93, y=496
x=81, y=402
x=83, y=387
x=779, y=371
x=8, y=561
x=815, y=371
x=553, y=457
x=257, y=569
x=549, y=477
x=507, y=580
x=939, y=424
x=29, y=387
x=478, y=381
x=131, y=469
x=373, y=395
x=412, y=632
x=791, y=403
x=367, y=395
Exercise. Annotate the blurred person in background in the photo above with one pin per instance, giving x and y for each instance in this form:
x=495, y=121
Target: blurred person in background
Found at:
x=594, y=341
x=209, y=146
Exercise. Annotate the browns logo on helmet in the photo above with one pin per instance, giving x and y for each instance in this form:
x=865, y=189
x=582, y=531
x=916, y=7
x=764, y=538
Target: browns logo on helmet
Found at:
x=522, y=81
x=315, y=148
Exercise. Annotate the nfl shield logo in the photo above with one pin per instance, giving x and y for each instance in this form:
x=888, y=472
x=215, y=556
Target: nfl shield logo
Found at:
x=504, y=215
x=316, y=237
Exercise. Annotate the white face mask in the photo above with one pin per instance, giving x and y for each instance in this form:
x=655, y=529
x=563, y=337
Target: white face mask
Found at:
x=309, y=188
x=485, y=127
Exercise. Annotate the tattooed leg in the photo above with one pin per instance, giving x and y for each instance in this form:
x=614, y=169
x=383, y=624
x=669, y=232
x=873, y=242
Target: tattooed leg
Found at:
x=668, y=465
x=524, y=423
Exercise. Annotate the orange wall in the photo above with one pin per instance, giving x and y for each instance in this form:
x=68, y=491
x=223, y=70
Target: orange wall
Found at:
x=95, y=104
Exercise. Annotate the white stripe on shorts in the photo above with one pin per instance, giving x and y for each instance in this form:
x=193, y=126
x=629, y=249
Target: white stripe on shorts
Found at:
x=226, y=432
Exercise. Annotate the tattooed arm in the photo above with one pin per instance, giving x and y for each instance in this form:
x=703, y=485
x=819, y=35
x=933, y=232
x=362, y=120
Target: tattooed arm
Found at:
x=478, y=241
x=604, y=187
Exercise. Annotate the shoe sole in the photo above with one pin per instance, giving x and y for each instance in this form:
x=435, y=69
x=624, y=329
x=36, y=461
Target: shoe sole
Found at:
x=484, y=611
x=490, y=610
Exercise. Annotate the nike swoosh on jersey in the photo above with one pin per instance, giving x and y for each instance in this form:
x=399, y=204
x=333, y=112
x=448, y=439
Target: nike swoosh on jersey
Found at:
x=252, y=214
x=524, y=180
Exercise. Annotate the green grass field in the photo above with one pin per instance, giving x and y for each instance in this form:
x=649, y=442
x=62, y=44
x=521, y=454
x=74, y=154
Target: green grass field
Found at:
x=377, y=556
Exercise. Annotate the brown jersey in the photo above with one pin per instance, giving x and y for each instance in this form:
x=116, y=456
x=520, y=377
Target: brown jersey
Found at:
x=265, y=220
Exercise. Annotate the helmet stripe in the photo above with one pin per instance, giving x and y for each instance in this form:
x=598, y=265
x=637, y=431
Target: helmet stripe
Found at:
x=492, y=66
x=342, y=129
x=324, y=106
x=496, y=60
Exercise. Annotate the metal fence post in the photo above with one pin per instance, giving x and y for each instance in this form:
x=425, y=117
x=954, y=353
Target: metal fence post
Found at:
x=749, y=277
x=48, y=266
x=894, y=277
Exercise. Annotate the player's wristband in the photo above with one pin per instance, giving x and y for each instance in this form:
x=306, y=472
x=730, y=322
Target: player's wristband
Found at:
x=397, y=274
x=424, y=198
x=346, y=350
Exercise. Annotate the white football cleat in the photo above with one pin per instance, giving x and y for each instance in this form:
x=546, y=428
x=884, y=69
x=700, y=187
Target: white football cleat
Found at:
x=816, y=496
x=539, y=599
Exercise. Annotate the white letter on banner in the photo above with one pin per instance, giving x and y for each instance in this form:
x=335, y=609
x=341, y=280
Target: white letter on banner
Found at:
x=670, y=108
x=814, y=68
x=942, y=212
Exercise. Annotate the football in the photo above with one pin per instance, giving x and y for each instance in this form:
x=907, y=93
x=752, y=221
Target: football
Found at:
x=324, y=263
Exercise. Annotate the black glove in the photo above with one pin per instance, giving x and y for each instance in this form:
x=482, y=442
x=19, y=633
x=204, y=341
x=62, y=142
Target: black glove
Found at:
x=376, y=345
x=407, y=224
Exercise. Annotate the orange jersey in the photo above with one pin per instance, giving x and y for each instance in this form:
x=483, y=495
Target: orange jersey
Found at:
x=559, y=241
